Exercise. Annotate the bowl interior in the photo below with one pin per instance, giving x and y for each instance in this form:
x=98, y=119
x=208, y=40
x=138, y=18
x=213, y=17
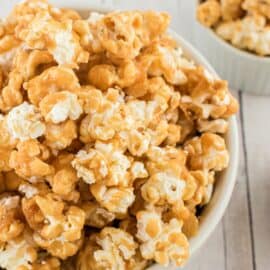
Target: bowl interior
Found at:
x=213, y=212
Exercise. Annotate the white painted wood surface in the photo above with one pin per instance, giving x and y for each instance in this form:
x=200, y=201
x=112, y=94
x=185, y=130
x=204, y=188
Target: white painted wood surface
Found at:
x=242, y=239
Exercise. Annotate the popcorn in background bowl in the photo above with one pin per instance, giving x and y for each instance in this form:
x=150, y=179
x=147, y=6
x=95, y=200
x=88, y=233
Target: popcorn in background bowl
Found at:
x=234, y=36
x=243, y=23
x=114, y=139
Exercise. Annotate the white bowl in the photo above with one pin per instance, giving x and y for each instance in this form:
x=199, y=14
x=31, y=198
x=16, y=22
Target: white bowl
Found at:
x=214, y=211
x=244, y=71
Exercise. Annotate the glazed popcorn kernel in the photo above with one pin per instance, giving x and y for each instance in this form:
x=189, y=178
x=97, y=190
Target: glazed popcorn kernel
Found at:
x=11, y=218
x=163, y=187
x=29, y=160
x=209, y=12
x=207, y=152
x=257, y=6
x=58, y=107
x=60, y=136
x=17, y=254
x=243, y=23
x=111, y=248
x=163, y=242
x=24, y=122
x=51, y=80
x=111, y=138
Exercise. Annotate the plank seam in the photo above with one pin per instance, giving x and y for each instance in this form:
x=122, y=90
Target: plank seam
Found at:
x=225, y=245
x=250, y=216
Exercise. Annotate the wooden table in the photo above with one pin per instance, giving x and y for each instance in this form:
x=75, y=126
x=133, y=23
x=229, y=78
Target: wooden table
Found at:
x=241, y=241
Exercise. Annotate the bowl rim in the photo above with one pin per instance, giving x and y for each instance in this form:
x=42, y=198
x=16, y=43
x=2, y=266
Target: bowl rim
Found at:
x=229, y=46
x=215, y=214
x=231, y=138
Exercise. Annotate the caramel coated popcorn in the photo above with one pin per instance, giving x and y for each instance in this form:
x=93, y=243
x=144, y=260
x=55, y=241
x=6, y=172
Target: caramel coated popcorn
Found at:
x=243, y=23
x=111, y=138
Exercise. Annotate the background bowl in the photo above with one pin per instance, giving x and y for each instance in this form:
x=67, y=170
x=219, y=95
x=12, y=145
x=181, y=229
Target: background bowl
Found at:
x=214, y=211
x=245, y=71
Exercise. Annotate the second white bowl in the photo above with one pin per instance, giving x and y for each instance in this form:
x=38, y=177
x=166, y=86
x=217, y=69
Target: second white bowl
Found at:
x=243, y=70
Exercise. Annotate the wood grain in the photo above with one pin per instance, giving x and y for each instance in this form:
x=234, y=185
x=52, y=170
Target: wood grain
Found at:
x=256, y=112
x=236, y=222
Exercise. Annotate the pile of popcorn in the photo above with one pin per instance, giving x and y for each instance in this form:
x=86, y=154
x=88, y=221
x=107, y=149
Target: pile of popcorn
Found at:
x=110, y=140
x=243, y=23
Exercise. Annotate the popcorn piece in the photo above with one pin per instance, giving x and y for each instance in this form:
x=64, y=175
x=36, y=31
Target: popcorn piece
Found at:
x=208, y=96
x=103, y=163
x=123, y=34
x=24, y=122
x=161, y=188
x=5, y=157
x=54, y=79
x=142, y=114
x=110, y=249
x=91, y=99
x=29, y=63
x=214, y=126
x=11, y=224
x=204, y=187
x=97, y=216
x=11, y=95
x=58, y=38
x=58, y=107
x=57, y=229
x=28, y=160
x=28, y=190
x=6, y=140
x=115, y=199
x=207, y=152
x=231, y=9
x=164, y=61
x=168, y=160
x=106, y=120
x=138, y=142
x=7, y=43
x=174, y=134
x=138, y=170
x=105, y=76
x=257, y=6
x=163, y=242
x=190, y=226
x=82, y=29
x=209, y=12
x=24, y=12
x=17, y=254
x=64, y=180
x=94, y=17
x=60, y=136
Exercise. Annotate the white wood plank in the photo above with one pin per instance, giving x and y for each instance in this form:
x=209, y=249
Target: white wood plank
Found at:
x=211, y=255
x=237, y=230
x=256, y=112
